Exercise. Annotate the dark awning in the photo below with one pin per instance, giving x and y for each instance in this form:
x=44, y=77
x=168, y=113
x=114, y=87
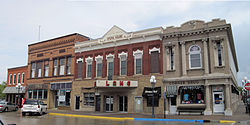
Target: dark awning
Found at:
x=171, y=91
x=148, y=91
x=37, y=86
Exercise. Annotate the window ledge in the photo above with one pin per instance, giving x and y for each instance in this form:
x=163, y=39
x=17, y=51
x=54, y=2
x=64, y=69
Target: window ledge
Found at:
x=195, y=69
x=219, y=66
x=171, y=70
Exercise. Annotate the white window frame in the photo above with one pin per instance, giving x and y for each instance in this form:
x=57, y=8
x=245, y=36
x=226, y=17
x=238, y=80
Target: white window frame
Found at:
x=10, y=79
x=62, y=67
x=14, y=79
x=88, y=61
x=98, y=60
x=18, y=78
x=168, y=59
x=68, y=67
x=55, y=68
x=138, y=54
x=46, y=71
x=121, y=55
x=197, y=52
x=33, y=70
x=154, y=49
x=22, y=80
x=216, y=58
x=110, y=58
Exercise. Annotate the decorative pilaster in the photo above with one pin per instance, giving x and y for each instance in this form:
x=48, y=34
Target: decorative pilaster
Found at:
x=208, y=110
x=205, y=56
x=183, y=56
x=228, y=111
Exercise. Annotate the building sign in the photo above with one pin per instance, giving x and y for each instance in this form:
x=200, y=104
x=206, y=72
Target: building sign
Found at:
x=115, y=83
x=193, y=82
x=147, y=92
x=217, y=88
x=61, y=98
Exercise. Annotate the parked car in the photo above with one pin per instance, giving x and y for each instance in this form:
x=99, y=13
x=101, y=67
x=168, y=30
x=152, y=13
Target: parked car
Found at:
x=247, y=104
x=6, y=106
x=33, y=106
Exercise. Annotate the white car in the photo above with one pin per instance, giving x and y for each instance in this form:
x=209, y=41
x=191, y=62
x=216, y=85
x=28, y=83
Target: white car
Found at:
x=34, y=106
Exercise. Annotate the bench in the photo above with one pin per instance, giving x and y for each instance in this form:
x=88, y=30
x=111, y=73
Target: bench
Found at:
x=201, y=110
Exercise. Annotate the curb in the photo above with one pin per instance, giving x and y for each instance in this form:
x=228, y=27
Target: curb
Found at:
x=141, y=119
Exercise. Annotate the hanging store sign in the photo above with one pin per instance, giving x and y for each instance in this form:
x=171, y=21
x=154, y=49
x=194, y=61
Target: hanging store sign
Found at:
x=115, y=83
x=62, y=98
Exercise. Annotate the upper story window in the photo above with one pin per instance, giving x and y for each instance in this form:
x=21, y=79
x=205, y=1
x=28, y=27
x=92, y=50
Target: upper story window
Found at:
x=194, y=57
x=18, y=78
x=23, y=75
x=10, y=79
x=46, y=68
x=89, y=61
x=123, y=63
x=14, y=79
x=55, y=67
x=138, y=61
x=154, y=60
x=79, y=62
x=110, y=65
x=218, y=53
x=98, y=60
x=68, y=66
x=39, y=69
x=33, y=70
x=61, y=66
x=170, y=58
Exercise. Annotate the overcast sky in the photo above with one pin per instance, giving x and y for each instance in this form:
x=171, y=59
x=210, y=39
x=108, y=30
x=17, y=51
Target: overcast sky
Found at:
x=20, y=20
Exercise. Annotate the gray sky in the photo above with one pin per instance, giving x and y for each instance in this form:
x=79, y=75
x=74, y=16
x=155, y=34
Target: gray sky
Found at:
x=20, y=19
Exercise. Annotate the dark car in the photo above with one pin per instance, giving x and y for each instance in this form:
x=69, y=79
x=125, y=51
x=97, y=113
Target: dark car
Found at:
x=247, y=104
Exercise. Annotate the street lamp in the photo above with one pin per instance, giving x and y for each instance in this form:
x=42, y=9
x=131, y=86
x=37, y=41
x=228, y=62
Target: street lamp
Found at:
x=19, y=87
x=153, y=81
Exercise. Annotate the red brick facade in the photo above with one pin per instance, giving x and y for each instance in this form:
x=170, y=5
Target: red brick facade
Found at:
x=17, y=70
x=145, y=46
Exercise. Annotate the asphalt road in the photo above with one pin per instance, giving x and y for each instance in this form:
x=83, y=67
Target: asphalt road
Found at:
x=17, y=118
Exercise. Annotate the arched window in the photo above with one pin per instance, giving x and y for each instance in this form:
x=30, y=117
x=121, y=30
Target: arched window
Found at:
x=194, y=57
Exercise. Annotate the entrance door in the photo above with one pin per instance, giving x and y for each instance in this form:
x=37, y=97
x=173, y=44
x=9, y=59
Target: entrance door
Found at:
x=172, y=107
x=77, y=103
x=218, y=102
x=98, y=103
x=109, y=103
x=138, y=104
x=123, y=103
x=56, y=99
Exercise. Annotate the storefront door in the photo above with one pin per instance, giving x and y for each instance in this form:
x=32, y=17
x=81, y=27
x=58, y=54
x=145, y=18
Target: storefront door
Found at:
x=123, y=103
x=98, y=103
x=109, y=103
x=172, y=103
x=77, y=103
x=218, y=102
x=138, y=104
x=56, y=99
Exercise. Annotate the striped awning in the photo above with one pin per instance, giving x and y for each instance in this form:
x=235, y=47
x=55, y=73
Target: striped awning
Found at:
x=14, y=90
x=171, y=91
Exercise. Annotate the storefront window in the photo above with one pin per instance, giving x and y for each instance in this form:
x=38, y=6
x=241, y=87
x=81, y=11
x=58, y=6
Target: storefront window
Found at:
x=64, y=97
x=34, y=94
x=89, y=99
x=30, y=94
x=192, y=94
x=40, y=94
x=45, y=94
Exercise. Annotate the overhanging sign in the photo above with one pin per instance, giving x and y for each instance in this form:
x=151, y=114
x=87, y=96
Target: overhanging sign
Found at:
x=115, y=83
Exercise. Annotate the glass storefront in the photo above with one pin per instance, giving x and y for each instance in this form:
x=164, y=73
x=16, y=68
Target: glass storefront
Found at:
x=192, y=94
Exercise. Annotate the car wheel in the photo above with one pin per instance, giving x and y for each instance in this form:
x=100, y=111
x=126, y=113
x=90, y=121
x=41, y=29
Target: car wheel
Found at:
x=23, y=113
x=6, y=109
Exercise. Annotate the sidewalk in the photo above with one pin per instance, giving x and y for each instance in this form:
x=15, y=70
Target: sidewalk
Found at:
x=238, y=116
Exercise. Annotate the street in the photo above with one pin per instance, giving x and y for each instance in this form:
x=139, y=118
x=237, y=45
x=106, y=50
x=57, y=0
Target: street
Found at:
x=17, y=118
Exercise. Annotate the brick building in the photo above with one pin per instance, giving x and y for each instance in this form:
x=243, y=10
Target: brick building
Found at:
x=15, y=76
x=51, y=71
x=112, y=73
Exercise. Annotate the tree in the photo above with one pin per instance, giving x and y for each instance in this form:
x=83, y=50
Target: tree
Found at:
x=2, y=87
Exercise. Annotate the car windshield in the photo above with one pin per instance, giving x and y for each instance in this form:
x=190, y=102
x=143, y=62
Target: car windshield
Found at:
x=31, y=102
x=2, y=102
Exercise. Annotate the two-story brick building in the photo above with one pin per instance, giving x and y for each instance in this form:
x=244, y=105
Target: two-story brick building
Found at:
x=200, y=67
x=15, y=76
x=112, y=72
x=51, y=70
